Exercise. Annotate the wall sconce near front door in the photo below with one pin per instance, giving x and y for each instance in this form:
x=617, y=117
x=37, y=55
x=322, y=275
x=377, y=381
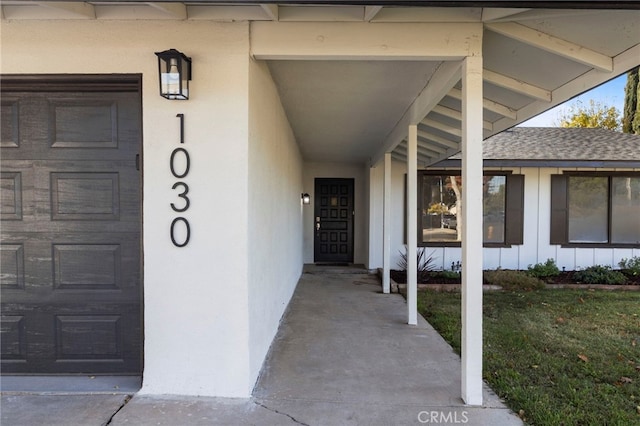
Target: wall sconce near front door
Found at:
x=306, y=198
x=175, y=72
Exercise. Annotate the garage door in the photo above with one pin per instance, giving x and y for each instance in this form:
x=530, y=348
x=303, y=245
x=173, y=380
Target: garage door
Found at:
x=70, y=225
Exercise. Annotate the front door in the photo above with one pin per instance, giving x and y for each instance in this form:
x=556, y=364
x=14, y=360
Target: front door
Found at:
x=334, y=211
x=71, y=226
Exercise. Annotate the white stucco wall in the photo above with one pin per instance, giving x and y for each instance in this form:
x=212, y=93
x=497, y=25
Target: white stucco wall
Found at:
x=360, y=174
x=536, y=247
x=195, y=298
x=275, y=213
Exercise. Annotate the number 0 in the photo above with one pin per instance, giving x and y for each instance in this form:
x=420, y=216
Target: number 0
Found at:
x=187, y=229
x=172, y=161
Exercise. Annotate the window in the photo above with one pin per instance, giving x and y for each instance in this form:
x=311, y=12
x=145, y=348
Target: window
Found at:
x=597, y=209
x=440, y=200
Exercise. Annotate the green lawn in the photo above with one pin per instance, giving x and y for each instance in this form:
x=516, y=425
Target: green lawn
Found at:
x=557, y=357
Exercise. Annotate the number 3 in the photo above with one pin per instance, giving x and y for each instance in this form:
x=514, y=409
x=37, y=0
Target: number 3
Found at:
x=182, y=195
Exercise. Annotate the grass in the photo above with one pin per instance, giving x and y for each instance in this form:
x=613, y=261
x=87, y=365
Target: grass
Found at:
x=557, y=357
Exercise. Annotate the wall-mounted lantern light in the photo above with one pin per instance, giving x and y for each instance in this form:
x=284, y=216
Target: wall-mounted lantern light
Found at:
x=306, y=198
x=175, y=72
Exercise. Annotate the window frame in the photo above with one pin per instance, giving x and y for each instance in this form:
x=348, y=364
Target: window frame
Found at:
x=559, y=200
x=513, y=215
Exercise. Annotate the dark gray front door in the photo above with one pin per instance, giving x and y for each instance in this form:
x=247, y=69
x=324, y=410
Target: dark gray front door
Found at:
x=334, y=211
x=71, y=220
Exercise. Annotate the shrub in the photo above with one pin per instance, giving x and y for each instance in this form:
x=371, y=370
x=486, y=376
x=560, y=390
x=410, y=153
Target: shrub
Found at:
x=631, y=266
x=424, y=262
x=448, y=275
x=544, y=270
x=512, y=280
x=599, y=274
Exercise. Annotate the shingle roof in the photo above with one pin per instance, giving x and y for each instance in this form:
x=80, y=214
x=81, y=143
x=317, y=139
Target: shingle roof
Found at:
x=553, y=144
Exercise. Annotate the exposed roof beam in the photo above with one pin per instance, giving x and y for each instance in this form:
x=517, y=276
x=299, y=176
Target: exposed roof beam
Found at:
x=445, y=77
x=489, y=105
x=177, y=10
x=516, y=85
x=490, y=13
x=370, y=12
x=439, y=140
x=84, y=10
x=537, y=14
x=442, y=127
x=271, y=10
x=552, y=44
x=430, y=150
x=427, y=159
x=399, y=157
x=400, y=153
x=622, y=63
x=424, y=151
x=457, y=115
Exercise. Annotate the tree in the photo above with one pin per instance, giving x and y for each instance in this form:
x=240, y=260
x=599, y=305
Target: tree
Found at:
x=631, y=117
x=596, y=114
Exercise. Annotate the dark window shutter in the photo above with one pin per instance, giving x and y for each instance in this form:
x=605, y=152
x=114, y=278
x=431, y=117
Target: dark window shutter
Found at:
x=514, y=215
x=559, y=209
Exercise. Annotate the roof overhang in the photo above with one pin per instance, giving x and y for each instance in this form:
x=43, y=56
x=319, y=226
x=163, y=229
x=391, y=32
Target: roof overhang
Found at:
x=352, y=75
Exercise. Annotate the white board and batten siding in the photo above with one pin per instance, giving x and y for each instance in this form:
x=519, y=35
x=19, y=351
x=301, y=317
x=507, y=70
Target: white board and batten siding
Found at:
x=537, y=219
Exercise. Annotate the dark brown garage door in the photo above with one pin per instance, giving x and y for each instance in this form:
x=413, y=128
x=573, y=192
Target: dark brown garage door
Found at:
x=70, y=225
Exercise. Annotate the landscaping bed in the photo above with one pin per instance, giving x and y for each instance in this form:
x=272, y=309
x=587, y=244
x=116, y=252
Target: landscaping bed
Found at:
x=536, y=276
x=566, y=277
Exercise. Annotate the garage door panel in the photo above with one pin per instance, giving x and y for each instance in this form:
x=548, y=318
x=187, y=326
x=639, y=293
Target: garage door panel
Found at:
x=10, y=133
x=83, y=123
x=64, y=339
x=12, y=261
x=43, y=198
x=14, y=338
x=54, y=126
x=59, y=270
x=71, y=218
x=85, y=196
x=10, y=196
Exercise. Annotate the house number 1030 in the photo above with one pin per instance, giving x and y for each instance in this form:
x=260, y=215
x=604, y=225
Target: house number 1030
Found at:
x=180, y=163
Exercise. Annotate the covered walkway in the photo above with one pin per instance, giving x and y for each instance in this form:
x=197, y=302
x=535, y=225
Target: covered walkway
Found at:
x=343, y=355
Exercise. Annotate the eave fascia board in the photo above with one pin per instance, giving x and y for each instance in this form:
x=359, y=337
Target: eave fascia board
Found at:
x=501, y=4
x=561, y=164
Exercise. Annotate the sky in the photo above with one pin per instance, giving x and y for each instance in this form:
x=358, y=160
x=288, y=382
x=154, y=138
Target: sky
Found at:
x=610, y=94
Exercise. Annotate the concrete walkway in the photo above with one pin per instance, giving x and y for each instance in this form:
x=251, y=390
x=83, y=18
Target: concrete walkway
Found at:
x=343, y=356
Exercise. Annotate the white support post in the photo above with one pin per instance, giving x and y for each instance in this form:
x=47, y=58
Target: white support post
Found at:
x=472, y=230
x=386, y=232
x=412, y=223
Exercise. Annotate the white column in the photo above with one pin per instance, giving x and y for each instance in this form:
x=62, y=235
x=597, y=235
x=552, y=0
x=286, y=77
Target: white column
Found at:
x=386, y=232
x=412, y=223
x=472, y=230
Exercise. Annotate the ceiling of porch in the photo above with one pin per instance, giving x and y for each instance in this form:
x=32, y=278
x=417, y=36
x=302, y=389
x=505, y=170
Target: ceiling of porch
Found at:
x=349, y=111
